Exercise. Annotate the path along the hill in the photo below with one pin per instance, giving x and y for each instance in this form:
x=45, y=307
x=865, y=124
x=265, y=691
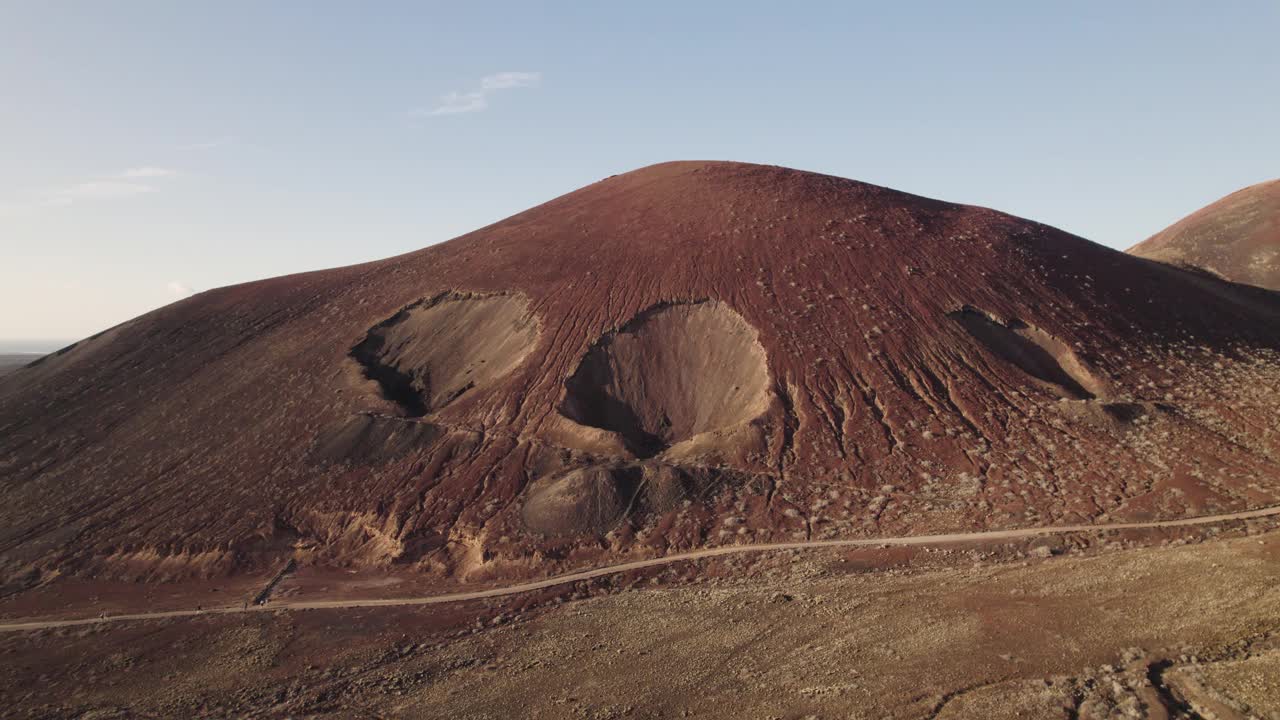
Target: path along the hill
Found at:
x=944, y=539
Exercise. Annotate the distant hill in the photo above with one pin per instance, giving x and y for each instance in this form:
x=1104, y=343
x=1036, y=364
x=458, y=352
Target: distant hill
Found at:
x=1237, y=237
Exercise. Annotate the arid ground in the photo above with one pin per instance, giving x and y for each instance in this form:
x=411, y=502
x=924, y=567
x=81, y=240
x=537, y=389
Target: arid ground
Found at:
x=1140, y=624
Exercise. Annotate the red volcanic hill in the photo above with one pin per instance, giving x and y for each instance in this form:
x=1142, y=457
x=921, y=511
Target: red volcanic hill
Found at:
x=689, y=354
x=1237, y=237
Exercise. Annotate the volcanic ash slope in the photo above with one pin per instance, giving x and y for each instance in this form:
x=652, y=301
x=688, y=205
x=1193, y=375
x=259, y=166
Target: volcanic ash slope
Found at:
x=687, y=355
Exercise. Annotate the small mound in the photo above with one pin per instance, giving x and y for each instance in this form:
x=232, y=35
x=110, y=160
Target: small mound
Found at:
x=368, y=440
x=430, y=353
x=580, y=502
x=1032, y=350
x=673, y=372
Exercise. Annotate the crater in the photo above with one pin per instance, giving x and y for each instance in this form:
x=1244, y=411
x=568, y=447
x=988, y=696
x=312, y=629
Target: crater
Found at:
x=673, y=372
x=432, y=352
x=1033, y=351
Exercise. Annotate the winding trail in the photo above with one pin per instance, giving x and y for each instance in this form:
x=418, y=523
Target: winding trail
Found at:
x=944, y=539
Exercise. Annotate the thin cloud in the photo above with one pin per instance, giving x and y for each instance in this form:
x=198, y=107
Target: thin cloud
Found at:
x=147, y=172
x=211, y=144
x=456, y=103
x=504, y=80
x=99, y=189
x=132, y=182
x=126, y=183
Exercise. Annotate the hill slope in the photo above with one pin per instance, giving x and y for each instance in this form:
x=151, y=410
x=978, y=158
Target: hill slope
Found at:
x=1237, y=237
x=688, y=354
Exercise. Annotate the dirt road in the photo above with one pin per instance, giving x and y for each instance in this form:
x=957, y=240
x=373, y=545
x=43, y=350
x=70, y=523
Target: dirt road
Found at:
x=944, y=539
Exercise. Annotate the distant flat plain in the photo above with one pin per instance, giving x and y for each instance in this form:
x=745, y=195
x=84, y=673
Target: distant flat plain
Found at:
x=12, y=361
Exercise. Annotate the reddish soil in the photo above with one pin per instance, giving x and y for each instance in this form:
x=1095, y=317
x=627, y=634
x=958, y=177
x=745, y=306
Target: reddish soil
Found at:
x=1237, y=237
x=687, y=355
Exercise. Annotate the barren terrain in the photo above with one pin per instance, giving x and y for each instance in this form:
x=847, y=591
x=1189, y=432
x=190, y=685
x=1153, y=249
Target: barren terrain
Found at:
x=1179, y=622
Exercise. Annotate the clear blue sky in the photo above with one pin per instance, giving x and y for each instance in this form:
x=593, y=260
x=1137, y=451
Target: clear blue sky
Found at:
x=152, y=148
